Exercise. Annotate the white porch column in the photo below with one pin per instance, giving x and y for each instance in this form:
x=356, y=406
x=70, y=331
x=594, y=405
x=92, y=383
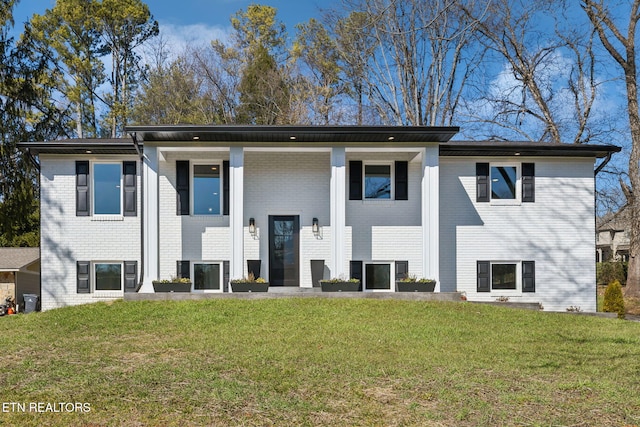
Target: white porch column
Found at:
x=236, y=211
x=338, y=207
x=150, y=219
x=431, y=214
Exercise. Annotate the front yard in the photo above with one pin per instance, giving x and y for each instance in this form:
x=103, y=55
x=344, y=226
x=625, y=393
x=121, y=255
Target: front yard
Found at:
x=317, y=362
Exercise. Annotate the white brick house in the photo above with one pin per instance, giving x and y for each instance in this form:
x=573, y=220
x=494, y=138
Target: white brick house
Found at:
x=493, y=220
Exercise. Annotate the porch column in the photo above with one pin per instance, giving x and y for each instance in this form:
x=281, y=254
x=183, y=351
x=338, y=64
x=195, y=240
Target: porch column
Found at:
x=338, y=207
x=431, y=214
x=236, y=211
x=150, y=223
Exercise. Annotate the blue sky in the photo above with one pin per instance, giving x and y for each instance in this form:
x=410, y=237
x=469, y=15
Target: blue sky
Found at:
x=197, y=21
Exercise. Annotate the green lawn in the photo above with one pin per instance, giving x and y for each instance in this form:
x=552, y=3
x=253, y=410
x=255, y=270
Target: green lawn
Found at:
x=319, y=362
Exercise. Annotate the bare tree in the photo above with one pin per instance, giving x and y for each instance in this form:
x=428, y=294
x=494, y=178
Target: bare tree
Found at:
x=610, y=28
x=547, y=87
x=418, y=57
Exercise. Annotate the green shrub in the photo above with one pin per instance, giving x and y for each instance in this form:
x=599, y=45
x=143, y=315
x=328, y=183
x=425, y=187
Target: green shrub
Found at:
x=613, y=300
x=607, y=272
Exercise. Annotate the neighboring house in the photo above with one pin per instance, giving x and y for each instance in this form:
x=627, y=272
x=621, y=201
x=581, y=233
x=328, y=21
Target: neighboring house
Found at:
x=491, y=219
x=612, y=237
x=19, y=273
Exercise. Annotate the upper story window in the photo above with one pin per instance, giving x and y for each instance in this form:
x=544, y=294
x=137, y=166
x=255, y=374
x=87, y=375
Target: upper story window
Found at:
x=202, y=188
x=107, y=189
x=505, y=183
x=206, y=189
x=377, y=181
x=504, y=180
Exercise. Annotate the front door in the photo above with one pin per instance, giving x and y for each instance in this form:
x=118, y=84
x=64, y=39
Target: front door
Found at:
x=284, y=250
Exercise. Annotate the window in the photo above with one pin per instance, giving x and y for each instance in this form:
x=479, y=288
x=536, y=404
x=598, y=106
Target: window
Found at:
x=503, y=182
x=377, y=182
x=107, y=185
x=377, y=276
x=206, y=276
x=108, y=276
x=206, y=189
x=503, y=276
x=106, y=188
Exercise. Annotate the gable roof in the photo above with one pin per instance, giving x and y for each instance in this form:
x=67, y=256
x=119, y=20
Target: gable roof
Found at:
x=13, y=259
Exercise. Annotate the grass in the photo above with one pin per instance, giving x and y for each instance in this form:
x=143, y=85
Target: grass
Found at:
x=319, y=362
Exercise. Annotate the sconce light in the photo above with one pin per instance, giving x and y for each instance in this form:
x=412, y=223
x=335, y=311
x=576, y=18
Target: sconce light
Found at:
x=315, y=227
x=252, y=226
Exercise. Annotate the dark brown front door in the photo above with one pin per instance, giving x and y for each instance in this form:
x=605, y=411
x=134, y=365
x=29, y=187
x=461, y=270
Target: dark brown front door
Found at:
x=284, y=248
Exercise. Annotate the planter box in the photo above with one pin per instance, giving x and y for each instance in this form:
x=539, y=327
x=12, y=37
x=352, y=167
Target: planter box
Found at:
x=340, y=286
x=415, y=286
x=249, y=287
x=172, y=287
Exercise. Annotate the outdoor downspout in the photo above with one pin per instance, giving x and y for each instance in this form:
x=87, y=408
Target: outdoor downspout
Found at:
x=595, y=210
x=141, y=155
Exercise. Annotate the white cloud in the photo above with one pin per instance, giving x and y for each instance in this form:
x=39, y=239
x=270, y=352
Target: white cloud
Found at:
x=179, y=37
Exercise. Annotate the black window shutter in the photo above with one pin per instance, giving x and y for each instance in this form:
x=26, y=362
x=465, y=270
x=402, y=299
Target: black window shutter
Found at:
x=130, y=276
x=484, y=276
x=483, y=185
x=82, y=276
x=402, y=269
x=528, y=276
x=182, y=187
x=82, y=188
x=225, y=276
x=355, y=268
x=130, y=199
x=184, y=271
x=355, y=180
x=528, y=182
x=225, y=187
x=402, y=180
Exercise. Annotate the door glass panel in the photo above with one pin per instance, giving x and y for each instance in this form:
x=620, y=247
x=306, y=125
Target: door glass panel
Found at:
x=206, y=276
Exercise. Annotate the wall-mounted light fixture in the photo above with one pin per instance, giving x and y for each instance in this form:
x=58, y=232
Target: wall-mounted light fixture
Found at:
x=315, y=227
x=252, y=226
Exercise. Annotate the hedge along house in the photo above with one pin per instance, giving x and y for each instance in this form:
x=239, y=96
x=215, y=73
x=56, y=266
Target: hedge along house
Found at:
x=493, y=220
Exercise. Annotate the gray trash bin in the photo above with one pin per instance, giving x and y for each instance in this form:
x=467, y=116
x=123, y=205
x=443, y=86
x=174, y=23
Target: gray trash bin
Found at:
x=30, y=302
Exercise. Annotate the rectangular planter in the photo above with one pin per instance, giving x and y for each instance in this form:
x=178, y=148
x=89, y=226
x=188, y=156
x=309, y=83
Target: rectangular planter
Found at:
x=249, y=287
x=340, y=286
x=415, y=286
x=172, y=287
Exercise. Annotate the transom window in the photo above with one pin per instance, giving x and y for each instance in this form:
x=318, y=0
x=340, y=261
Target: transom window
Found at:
x=206, y=276
x=206, y=189
x=377, y=181
x=108, y=276
x=107, y=188
x=504, y=276
x=504, y=182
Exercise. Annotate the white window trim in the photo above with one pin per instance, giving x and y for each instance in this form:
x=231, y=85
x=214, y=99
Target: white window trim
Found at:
x=506, y=292
x=507, y=202
x=104, y=292
x=392, y=280
x=392, y=176
x=193, y=276
x=212, y=162
x=106, y=217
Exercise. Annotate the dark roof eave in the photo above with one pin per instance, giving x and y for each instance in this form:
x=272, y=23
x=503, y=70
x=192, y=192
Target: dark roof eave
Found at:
x=532, y=149
x=81, y=146
x=251, y=135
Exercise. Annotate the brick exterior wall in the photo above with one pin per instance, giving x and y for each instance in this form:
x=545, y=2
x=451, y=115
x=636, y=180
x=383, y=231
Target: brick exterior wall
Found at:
x=556, y=231
x=67, y=238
